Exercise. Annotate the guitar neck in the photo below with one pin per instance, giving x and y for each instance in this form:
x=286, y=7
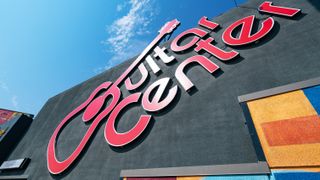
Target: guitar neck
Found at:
x=139, y=59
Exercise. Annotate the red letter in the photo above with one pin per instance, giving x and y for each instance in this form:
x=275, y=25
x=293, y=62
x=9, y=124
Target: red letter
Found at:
x=278, y=10
x=152, y=64
x=160, y=52
x=54, y=165
x=156, y=104
x=202, y=60
x=245, y=36
x=176, y=48
x=217, y=52
x=144, y=75
x=120, y=139
x=208, y=24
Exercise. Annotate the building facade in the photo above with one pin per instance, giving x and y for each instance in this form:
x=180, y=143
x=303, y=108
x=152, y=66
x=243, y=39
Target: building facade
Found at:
x=237, y=96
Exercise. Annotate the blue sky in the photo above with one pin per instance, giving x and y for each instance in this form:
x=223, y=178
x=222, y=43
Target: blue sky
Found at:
x=47, y=47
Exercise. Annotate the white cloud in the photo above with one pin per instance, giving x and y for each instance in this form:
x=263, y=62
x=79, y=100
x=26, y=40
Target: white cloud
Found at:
x=4, y=86
x=131, y=50
x=14, y=101
x=123, y=29
x=122, y=42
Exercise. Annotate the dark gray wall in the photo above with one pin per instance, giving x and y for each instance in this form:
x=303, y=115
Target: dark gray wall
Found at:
x=15, y=130
x=206, y=127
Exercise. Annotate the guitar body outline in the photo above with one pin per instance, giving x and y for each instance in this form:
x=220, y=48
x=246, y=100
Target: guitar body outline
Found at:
x=94, y=104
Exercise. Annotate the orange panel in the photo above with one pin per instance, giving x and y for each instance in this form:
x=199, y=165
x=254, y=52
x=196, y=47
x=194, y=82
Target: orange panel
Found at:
x=152, y=178
x=304, y=130
x=189, y=178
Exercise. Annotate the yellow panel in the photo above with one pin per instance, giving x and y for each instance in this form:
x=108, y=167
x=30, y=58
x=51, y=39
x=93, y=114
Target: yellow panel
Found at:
x=307, y=169
x=293, y=155
x=189, y=178
x=280, y=107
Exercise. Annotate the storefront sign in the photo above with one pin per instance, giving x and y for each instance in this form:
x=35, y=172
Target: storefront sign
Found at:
x=154, y=98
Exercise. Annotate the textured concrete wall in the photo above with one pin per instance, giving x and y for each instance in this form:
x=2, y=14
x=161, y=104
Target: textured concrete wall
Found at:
x=206, y=127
